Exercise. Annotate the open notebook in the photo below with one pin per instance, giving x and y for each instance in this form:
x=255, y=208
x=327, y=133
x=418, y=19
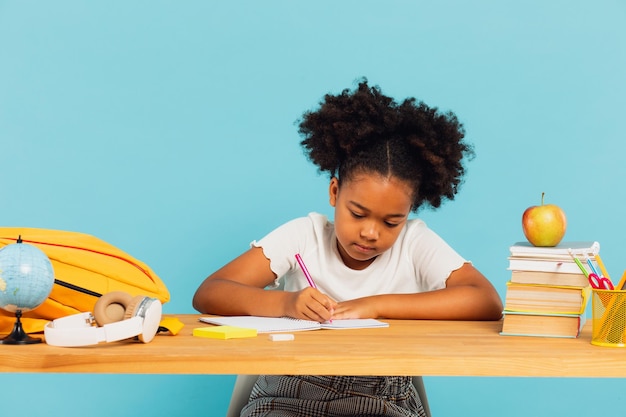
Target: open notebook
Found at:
x=288, y=324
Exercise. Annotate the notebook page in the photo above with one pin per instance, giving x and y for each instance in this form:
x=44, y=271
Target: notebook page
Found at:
x=354, y=324
x=264, y=324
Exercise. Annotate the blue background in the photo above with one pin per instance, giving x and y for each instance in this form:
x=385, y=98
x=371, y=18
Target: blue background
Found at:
x=168, y=129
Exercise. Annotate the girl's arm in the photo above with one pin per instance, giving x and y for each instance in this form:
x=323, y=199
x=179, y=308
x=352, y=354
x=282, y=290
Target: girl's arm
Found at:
x=468, y=296
x=238, y=289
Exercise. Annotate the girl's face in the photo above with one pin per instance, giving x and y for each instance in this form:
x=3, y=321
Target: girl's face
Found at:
x=370, y=212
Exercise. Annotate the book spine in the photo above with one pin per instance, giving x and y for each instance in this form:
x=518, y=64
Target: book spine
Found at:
x=544, y=266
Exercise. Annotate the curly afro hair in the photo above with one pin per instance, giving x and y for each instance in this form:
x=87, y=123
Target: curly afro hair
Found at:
x=364, y=131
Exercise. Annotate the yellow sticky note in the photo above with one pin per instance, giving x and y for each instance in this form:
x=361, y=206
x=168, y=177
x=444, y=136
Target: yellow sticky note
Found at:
x=172, y=324
x=224, y=332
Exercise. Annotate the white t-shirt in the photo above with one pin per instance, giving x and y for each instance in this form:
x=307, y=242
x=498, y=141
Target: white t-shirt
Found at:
x=418, y=261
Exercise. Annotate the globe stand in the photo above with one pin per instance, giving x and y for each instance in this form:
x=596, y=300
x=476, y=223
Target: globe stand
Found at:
x=18, y=336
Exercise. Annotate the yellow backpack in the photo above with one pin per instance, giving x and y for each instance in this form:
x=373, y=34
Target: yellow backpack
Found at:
x=85, y=268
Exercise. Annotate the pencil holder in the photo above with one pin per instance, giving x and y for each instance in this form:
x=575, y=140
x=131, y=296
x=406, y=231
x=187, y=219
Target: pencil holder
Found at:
x=608, y=318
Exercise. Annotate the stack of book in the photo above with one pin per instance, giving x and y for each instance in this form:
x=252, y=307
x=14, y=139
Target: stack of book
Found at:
x=548, y=292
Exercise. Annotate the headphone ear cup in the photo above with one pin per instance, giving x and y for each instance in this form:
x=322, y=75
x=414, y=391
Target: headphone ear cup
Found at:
x=111, y=307
x=131, y=308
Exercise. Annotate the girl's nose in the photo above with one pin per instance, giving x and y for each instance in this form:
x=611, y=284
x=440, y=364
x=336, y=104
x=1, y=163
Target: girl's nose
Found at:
x=369, y=231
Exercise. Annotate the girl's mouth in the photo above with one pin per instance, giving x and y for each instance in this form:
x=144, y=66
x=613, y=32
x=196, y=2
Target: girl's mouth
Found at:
x=364, y=249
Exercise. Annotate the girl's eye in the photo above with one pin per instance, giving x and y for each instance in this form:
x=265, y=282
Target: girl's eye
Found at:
x=357, y=215
x=392, y=225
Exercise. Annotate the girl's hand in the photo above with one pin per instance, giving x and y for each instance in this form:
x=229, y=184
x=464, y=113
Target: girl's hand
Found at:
x=360, y=308
x=309, y=304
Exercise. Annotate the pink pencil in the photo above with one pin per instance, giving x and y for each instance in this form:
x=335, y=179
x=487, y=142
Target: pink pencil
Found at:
x=306, y=271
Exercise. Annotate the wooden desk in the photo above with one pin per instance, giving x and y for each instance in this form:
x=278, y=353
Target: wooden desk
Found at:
x=443, y=348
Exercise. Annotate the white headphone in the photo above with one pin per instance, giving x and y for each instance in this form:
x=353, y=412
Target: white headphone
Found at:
x=116, y=316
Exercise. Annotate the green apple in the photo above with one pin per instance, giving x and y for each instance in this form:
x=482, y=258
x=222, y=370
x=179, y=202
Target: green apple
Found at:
x=544, y=225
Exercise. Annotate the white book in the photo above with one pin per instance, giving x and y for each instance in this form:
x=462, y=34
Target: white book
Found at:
x=288, y=324
x=544, y=265
x=560, y=250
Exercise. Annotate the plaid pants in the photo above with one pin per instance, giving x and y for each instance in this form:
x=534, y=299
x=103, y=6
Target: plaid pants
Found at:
x=325, y=396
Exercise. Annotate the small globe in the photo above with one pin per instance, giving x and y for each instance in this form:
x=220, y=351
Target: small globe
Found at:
x=26, y=277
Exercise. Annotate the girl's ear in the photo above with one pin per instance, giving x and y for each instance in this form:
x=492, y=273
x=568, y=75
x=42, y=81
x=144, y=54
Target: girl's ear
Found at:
x=333, y=190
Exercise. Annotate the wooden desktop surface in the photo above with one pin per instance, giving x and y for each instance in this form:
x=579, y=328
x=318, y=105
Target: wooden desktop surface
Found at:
x=411, y=347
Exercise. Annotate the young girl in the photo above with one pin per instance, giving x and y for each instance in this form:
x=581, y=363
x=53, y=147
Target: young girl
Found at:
x=385, y=160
